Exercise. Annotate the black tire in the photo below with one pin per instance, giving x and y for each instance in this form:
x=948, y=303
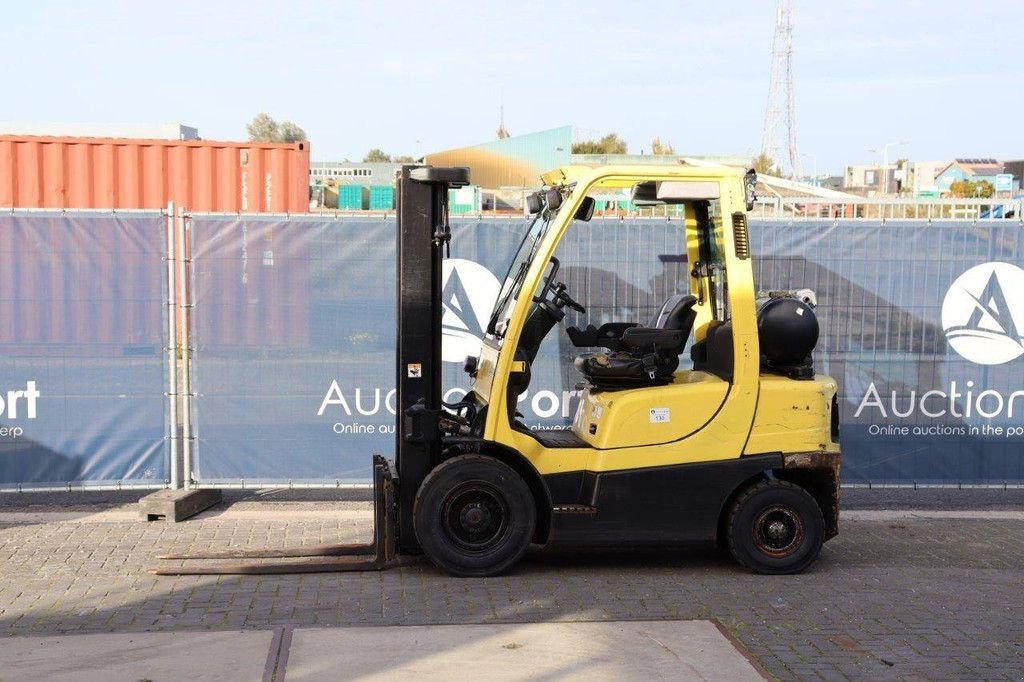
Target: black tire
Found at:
x=474, y=516
x=775, y=527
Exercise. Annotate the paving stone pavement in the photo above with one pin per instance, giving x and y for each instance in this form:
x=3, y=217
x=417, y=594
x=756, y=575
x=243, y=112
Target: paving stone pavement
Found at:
x=898, y=599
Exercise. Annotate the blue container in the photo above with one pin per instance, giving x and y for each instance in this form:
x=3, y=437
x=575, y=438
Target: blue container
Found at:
x=351, y=197
x=382, y=197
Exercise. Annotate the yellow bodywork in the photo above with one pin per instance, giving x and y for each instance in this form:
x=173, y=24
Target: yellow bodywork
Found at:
x=793, y=416
x=649, y=416
x=697, y=418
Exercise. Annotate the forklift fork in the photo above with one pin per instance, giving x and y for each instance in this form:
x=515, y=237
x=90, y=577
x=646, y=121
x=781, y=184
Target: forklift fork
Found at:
x=374, y=556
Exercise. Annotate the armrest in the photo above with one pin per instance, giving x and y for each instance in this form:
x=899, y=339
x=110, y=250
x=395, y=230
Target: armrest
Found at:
x=608, y=336
x=646, y=337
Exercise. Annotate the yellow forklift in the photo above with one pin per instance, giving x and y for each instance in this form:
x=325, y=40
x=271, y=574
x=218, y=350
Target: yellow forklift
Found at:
x=737, y=445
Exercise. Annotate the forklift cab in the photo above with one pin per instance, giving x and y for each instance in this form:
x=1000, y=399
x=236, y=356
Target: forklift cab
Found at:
x=636, y=395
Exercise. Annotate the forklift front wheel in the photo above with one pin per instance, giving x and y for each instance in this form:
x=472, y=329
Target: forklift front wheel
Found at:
x=474, y=516
x=776, y=527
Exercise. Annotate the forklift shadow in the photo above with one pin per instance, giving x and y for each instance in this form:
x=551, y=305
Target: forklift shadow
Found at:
x=695, y=558
x=682, y=559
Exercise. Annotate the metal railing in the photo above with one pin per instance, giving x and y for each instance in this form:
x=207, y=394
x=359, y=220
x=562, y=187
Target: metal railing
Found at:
x=888, y=209
x=789, y=208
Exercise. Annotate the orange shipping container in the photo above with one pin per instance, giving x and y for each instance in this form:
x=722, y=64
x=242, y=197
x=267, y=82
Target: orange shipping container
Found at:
x=94, y=172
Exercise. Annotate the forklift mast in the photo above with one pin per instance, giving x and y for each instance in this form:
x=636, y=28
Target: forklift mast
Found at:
x=422, y=242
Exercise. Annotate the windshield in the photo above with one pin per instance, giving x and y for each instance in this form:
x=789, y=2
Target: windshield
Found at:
x=517, y=273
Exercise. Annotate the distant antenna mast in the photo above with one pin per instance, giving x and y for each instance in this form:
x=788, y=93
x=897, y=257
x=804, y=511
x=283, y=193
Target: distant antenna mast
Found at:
x=781, y=108
x=502, y=132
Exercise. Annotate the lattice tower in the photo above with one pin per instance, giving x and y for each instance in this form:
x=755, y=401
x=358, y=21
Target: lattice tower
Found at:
x=781, y=109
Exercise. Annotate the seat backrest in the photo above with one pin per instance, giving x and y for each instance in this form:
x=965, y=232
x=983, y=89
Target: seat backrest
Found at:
x=674, y=312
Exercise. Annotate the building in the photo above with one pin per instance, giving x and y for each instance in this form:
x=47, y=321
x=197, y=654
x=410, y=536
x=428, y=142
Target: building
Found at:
x=352, y=173
x=1016, y=169
x=516, y=161
x=832, y=182
x=907, y=178
x=867, y=179
x=328, y=178
x=920, y=181
x=136, y=131
x=973, y=170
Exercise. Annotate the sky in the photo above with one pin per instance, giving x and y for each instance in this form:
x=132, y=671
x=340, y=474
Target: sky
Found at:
x=414, y=77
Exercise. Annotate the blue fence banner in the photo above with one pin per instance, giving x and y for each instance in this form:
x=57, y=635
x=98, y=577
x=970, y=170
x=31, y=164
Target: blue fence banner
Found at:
x=293, y=332
x=921, y=327
x=83, y=372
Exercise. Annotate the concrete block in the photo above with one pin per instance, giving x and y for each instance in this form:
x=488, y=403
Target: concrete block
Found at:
x=176, y=505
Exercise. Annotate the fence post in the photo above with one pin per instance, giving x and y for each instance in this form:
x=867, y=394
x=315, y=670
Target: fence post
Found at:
x=186, y=353
x=174, y=454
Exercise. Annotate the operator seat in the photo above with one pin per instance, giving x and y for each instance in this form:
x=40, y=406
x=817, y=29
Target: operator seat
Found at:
x=640, y=356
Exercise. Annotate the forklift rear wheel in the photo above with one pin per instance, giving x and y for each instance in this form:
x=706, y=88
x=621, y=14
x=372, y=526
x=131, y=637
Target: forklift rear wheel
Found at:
x=776, y=527
x=474, y=516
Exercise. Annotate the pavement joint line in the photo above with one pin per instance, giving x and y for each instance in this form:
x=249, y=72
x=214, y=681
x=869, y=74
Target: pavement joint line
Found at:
x=927, y=514
x=282, y=656
x=742, y=649
x=270, y=669
x=349, y=514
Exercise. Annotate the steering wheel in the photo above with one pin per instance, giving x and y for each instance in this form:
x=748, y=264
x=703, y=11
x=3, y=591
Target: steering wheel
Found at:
x=561, y=298
x=557, y=289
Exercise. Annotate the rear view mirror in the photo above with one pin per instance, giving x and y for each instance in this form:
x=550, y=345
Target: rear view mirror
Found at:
x=553, y=198
x=749, y=183
x=586, y=210
x=534, y=203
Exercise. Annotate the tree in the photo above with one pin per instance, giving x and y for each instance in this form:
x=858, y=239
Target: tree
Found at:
x=613, y=144
x=965, y=189
x=263, y=128
x=609, y=144
x=659, y=148
x=765, y=165
x=291, y=132
x=405, y=158
x=586, y=147
x=376, y=156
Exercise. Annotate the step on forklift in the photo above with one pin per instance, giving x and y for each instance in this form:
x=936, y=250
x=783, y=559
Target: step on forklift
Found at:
x=739, y=445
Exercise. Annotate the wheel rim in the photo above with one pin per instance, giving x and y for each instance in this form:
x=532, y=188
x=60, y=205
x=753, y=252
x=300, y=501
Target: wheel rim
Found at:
x=475, y=516
x=778, y=531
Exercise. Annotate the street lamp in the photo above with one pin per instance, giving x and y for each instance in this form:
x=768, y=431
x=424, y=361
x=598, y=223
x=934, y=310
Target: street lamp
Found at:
x=885, y=161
